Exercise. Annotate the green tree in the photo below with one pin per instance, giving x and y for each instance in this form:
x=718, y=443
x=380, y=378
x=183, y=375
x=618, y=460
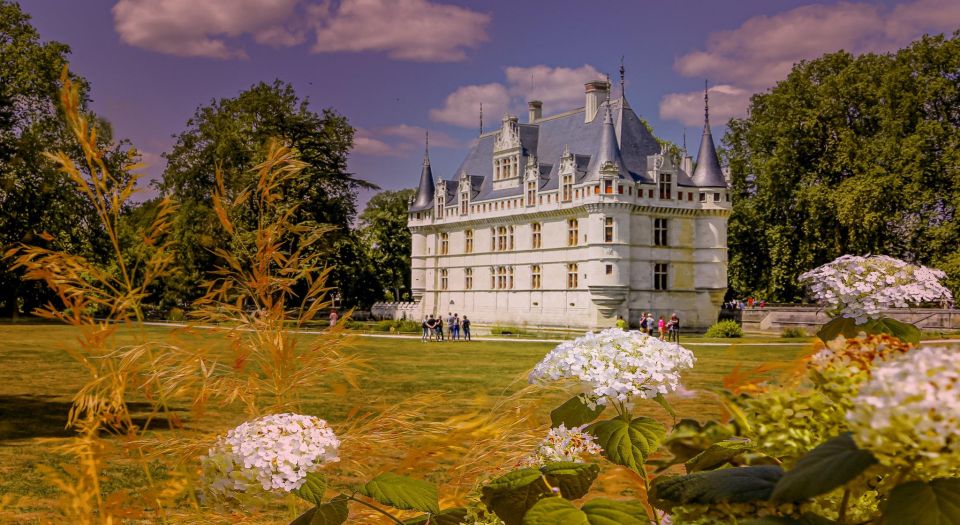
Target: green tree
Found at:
x=38, y=204
x=383, y=227
x=231, y=135
x=847, y=155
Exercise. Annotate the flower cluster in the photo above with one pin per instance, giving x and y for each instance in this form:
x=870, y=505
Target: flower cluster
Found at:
x=861, y=287
x=844, y=364
x=273, y=452
x=616, y=365
x=562, y=444
x=908, y=413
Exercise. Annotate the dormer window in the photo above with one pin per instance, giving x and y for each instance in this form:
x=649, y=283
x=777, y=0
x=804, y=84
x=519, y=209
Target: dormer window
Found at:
x=531, y=192
x=464, y=203
x=665, y=186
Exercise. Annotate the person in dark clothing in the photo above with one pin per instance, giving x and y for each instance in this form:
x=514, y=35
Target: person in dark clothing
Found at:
x=465, y=325
x=439, y=329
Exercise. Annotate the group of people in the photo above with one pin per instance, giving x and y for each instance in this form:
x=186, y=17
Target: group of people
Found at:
x=433, y=328
x=668, y=330
x=740, y=304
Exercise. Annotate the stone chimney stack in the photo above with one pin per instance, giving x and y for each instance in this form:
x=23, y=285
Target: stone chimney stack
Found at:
x=534, y=110
x=597, y=92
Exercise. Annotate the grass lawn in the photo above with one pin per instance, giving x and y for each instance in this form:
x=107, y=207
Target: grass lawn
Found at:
x=38, y=379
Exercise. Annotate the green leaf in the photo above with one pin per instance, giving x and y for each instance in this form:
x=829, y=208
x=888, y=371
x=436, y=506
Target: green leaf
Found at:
x=402, y=492
x=313, y=488
x=609, y=512
x=731, y=485
x=907, y=333
x=838, y=326
x=445, y=517
x=574, y=412
x=628, y=443
x=573, y=479
x=718, y=454
x=553, y=511
x=936, y=502
x=830, y=465
x=334, y=512
x=511, y=495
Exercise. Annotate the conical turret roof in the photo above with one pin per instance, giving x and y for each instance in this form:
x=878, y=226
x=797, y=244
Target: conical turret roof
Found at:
x=425, y=192
x=708, y=173
x=609, y=149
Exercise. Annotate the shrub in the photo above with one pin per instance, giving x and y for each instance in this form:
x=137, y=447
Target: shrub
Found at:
x=725, y=329
x=507, y=330
x=175, y=314
x=792, y=332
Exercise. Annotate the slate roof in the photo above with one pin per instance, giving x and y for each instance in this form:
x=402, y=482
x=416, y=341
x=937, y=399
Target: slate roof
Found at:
x=425, y=192
x=629, y=146
x=708, y=174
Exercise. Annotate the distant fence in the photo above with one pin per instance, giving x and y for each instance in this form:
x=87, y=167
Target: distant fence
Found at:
x=811, y=318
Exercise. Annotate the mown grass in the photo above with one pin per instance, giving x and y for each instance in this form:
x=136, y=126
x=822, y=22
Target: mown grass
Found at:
x=38, y=379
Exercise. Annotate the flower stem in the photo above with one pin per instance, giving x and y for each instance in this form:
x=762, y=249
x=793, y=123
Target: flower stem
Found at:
x=842, y=514
x=378, y=509
x=646, y=488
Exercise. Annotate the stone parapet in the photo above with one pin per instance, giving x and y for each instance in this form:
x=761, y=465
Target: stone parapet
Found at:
x=774, y=319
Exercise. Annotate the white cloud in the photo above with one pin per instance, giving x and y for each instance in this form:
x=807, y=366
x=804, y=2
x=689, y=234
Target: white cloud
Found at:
x=764, y=48
x=200, y=28
x=462, y=107
x=559, y=88
x=726, y=101
x=398, y=141
x=403, y=29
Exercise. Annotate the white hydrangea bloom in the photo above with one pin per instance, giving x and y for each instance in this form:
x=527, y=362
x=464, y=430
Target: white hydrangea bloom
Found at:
x=563, y=444
x=908, y=413
x=861, y=287
x=274, y=452
x=616, y=365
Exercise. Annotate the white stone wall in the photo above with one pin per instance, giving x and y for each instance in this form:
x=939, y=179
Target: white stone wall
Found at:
x=696, y=253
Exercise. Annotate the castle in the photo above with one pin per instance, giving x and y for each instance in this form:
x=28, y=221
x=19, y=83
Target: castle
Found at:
x=570, y=220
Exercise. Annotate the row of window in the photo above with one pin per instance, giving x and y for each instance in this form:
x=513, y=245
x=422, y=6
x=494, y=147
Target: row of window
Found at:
x=501, y=277
x=501, y=237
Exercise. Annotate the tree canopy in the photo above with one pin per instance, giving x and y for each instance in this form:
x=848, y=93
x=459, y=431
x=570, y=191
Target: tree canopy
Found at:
x=383, y=227
x=848, y=155
x=231, y=135
x=39, y=205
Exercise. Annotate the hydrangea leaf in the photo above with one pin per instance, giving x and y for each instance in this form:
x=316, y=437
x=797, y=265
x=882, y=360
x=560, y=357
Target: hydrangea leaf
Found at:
x=628, y=443
x=609, y=512
x=334, y=512
x=551, y=511
x=574, y=413
x=838, y=326
x=905, y=332
x=573, y=479
x=402, y=492
x=313, y=488
x=444, y=517
x=807, y=519
x=828, y=466
x=511, y=495
x=936, y=502
x=731, y=485
x=718, y=454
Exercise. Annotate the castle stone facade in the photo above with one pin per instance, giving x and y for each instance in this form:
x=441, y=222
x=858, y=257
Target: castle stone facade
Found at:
x=571, y=220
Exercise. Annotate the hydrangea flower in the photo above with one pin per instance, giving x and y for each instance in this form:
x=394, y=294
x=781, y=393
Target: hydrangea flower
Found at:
x=857, y=354
x=908, y=413
x=563, y=444
x=616, y=365
x=861, y=287
x=274, y=452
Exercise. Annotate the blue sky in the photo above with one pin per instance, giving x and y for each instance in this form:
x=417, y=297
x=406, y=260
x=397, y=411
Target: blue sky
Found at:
x=398, y=67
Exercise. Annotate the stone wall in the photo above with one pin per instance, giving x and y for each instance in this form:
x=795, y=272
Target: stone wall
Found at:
x=774, y=319
x=395, y=310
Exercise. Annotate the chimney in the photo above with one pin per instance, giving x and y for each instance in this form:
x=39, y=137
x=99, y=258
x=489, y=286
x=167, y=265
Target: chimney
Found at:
x=597, y=92
x=534, y=110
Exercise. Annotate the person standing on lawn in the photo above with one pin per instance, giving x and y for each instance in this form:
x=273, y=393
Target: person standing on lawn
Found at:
x=431, y=327
x=333, y=318
x=621, y=324
x=440, y=328
x=662, y=327
x=426, y=330
x=673, y=334
x=466, y=328
x=450, y=325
